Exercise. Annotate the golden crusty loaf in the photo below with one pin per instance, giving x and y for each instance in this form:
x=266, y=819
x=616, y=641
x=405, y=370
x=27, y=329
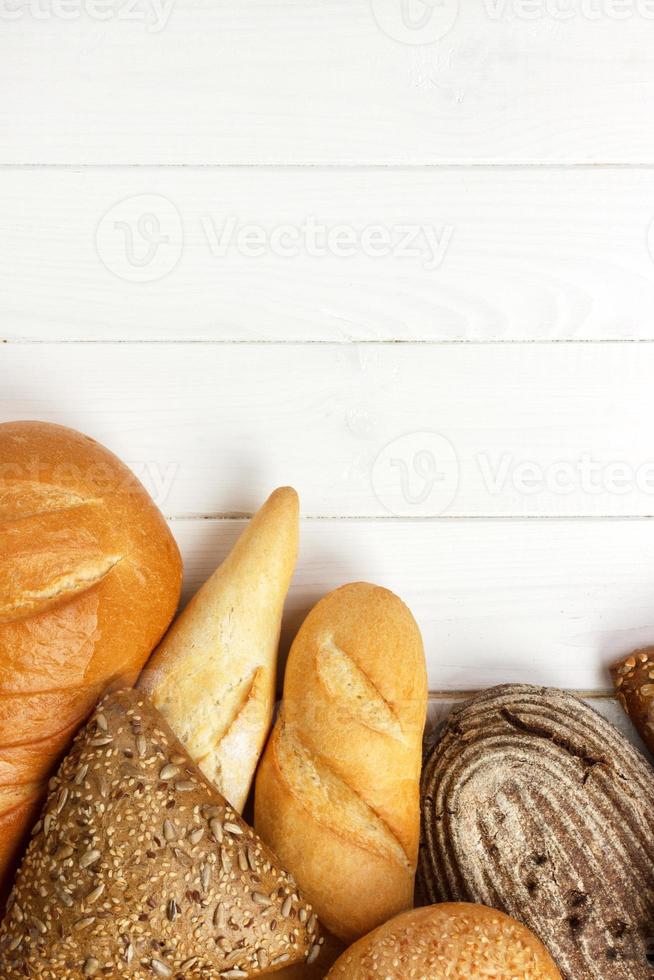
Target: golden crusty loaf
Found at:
x=213, y=676
x=139, y=869
x=337, y=789
x=457, y=941
x=89, y=580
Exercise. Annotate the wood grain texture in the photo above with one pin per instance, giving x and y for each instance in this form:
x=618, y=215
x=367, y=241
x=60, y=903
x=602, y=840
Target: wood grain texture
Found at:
x=512, y=254
x=366, y=127
x=366, y=431
x=319, y=82
x=548, y=602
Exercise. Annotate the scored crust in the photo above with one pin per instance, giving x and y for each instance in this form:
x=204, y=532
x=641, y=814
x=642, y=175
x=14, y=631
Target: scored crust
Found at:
x=337, y=789
x=534, y=804
x=90, y=577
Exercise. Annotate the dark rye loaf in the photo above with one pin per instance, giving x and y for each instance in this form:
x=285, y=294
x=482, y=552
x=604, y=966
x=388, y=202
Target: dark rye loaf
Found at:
x=139, y=869
x=534, y=804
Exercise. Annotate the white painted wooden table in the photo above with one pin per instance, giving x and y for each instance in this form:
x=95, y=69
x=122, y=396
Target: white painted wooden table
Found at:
x=398, y=254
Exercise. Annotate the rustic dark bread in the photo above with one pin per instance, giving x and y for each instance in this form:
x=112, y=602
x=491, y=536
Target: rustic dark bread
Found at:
x=140, y=869
x=633, y=677
x=534, y=804
x=456, y=940
x=90, y=577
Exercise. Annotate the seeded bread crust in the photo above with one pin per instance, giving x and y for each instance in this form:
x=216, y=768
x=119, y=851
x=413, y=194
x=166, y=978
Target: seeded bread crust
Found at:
x=457, y=940
x=534, y=804
x=633, y=678
x=139, y=869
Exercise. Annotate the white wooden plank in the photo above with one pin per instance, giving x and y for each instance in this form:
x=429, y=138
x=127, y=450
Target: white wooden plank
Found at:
x=273, y=81
x=372, y=430
x=440, y=707
x=497, y=602
x=511, y=254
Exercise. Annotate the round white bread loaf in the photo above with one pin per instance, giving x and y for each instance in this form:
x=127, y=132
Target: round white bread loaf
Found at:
x=457, y=941
x=89, y=580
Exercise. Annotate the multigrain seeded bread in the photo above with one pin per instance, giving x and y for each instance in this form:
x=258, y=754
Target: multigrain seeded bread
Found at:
x=213, y=676
x=633, y=678
x=337, y=791
x=458, y=941
x=140, y=869
x=534, y=804
x=89, y=579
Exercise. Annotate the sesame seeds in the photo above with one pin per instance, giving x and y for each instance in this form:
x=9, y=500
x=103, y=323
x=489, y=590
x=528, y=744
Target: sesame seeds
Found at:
x=137, y=877
x=462, y=941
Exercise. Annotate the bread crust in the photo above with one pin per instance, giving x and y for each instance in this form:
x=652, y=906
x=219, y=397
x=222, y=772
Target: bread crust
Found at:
x=214, y=675
x=138, y=868
x=535, y=804
x=90, y=577
x=457, y=940
x=633, y=678
x=337, y=789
